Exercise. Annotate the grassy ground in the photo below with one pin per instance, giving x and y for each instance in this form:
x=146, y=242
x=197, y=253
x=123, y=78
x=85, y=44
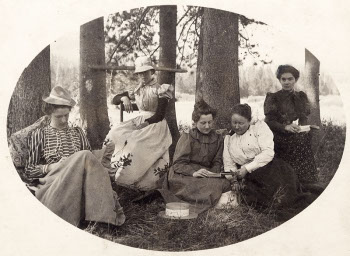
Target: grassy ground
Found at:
x=214, y=228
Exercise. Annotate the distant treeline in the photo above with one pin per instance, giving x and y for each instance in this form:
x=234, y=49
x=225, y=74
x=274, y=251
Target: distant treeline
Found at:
x=254, y=80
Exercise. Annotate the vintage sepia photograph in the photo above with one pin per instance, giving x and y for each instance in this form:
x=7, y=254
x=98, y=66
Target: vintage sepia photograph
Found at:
x=175, y=128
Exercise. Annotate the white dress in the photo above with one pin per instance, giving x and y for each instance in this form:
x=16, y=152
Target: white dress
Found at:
x=148, y=146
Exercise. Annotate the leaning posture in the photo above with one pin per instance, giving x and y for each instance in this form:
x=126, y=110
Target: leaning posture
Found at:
x=70, y=180
x=147, y=137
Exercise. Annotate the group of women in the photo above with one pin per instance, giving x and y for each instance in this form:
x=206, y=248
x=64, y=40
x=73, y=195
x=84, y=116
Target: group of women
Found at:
x=271, y=160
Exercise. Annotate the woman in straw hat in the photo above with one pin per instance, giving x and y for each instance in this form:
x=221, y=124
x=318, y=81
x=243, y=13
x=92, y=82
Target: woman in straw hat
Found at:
x=70, y=180
x=147, y=137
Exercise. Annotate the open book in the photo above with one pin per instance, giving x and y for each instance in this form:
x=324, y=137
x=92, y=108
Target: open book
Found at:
x=219, y=175
x=307, y=128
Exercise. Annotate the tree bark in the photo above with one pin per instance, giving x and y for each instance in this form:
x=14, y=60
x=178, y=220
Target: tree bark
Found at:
x=26, y=101
x=312, y=71
x=167, y=58
x=217, y=69
x=93, y=98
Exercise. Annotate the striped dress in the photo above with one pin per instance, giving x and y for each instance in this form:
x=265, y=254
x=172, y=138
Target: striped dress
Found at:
x=48, y=145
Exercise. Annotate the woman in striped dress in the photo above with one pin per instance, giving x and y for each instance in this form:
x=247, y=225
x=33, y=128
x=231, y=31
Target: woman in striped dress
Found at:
x=70, y=180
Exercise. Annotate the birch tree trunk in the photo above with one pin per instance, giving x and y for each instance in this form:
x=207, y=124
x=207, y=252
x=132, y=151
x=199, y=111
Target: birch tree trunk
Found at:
x=312, y=89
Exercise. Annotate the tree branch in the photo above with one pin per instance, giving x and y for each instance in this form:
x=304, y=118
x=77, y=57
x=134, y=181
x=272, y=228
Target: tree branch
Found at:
x=131, y=31
x=183, y=16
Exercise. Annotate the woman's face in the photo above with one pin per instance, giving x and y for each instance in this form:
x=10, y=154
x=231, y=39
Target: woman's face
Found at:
x=145, y=77
x=239, y=123
x=287, y=81
x=59, y=118
x=205, y=123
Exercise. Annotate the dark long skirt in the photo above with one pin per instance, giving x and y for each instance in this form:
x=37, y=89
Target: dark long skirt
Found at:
x=200, y=193
x=296, y=150
x=80, y=189
x=274, y=186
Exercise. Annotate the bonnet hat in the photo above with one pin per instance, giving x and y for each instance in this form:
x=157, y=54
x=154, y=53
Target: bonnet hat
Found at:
x=143, y=64
x=59, y=96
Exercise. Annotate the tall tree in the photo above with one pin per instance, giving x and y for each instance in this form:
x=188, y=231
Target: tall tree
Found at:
x=312, y=88
x=93, y=99
x=26, y=101
x=217, y=67
x=167, y=58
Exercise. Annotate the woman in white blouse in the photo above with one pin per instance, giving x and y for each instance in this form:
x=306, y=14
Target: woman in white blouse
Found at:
x=249, y=152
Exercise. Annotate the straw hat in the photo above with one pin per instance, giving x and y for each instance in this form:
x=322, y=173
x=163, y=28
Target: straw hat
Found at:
x=143, y=64
x=178, y=211
x=59, y=96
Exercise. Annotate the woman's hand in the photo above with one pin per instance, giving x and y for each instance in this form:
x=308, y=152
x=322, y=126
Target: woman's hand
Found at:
x=242, y=172
x=50, y=167
x=201, y=173
x=143, y=125
x=127, y=104
x=293, y=128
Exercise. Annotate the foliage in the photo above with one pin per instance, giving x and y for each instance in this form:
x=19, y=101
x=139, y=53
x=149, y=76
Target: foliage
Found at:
x=330, y=150
x=214, y=228
x=123, y=161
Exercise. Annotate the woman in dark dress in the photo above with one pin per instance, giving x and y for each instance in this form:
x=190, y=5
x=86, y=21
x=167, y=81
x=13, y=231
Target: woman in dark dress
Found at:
x=282, y=109
x=198, y=155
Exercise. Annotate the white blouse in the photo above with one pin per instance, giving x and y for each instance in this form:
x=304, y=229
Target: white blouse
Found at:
x=146, y=96
x=253, y=149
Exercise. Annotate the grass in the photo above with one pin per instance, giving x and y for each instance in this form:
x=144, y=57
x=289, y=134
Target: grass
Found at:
x=330, y=150
x=214, y=228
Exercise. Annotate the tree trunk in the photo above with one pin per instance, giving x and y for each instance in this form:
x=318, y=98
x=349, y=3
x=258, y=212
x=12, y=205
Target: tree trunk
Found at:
x=93, y=98
x=312, y=71
x=217, y=69
x=167, y=58
x=26, y=101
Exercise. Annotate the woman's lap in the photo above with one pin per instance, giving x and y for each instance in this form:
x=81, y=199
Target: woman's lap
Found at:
x=296, y=150
x=80, y=185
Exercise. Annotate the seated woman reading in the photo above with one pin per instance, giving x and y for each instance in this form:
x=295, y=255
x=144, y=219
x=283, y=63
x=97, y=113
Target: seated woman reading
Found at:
x=70, y=180
x=147, y=137
x=249, y=152
x=198, y=155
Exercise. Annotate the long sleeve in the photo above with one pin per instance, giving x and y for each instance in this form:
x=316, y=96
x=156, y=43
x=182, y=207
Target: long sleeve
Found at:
x=84, y=142
x=117, y=99
x=217, y=161
x=182, y=162
x=265, y=141
x=34, y=169
x=160, y=112
x=303, y=107
x=229, y=164
x=272, y=114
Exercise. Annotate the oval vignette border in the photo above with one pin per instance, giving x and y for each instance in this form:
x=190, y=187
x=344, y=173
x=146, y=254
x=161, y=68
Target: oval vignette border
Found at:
x=239, y=246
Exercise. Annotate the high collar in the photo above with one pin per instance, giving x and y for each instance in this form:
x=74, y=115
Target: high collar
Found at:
x=211, y=137
x=286, y=93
